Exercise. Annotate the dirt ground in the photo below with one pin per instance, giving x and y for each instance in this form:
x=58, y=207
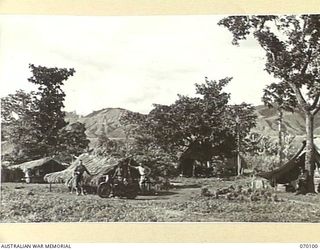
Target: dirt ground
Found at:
x=22, y=202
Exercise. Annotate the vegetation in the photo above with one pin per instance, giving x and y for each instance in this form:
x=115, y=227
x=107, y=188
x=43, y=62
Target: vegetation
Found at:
x=281, y=97
x=205, y=128
x=34, y=122
x=292, y=51
x=48, y=116
x=72, y=141
x=17, y=125
x=204, y=124
x=34, y=203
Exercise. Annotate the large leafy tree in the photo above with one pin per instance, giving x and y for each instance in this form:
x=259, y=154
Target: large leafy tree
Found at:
x=49, y=116
x=204, y=123
x=292, y=46
x=17, y=122
x=194, y=121
x=34, y=122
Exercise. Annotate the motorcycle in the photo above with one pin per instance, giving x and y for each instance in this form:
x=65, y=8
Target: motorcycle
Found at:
x=118, y=187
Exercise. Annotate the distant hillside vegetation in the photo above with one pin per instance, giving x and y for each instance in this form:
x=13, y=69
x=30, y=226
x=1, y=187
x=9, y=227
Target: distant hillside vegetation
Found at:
x=107, y=120
x=267, y=123
x=294, y=123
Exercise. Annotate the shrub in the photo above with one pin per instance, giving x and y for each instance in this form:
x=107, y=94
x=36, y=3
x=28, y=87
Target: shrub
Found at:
x=262, y=162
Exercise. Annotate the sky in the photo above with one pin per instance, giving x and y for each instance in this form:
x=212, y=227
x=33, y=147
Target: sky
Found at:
x=129, y=62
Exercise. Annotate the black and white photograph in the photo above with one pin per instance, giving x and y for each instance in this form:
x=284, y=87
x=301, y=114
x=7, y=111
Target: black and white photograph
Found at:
x=176, y=118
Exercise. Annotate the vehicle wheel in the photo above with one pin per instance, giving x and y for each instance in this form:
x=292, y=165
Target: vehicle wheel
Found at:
x=104, y=190
x=132, y=192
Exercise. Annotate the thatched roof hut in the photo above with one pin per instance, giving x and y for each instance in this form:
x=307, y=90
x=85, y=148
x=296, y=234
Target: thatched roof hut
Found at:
x=37, y=169
x=96, y=165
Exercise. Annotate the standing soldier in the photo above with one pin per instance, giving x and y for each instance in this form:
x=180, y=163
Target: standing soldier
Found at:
x=27, y=176
x=78, y=173
x=144, y=172
x=302, y=182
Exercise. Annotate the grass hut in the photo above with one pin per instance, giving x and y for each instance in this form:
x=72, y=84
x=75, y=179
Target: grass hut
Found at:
x=96, y=165
x=34, y=171
x=11, y=175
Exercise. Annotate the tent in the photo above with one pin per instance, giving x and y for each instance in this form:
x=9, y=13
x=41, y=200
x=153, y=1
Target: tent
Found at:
x=34, y=171
x=291, y=170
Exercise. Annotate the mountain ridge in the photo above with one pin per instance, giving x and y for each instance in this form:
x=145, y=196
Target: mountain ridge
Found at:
x=108, y=120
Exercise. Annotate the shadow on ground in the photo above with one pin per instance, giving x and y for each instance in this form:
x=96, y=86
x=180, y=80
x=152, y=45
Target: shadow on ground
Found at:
x=186, y=186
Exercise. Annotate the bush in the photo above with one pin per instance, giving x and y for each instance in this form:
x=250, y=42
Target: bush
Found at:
x=262, y=162
x=240, y=193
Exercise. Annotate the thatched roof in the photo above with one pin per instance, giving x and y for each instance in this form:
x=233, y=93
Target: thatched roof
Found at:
x=34, y=164
x=95, y=164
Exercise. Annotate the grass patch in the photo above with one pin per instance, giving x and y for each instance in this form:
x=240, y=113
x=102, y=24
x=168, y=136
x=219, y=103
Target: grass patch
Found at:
x=34, y=203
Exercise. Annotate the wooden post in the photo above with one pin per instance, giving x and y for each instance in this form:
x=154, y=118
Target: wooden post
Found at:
x=194, y=168
x=239, y=166
x=280, y=136
x=49, y=186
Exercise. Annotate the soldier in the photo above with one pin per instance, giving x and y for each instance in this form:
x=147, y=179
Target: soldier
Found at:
x=27, y=176
x=78, y=172
x=302, y=182
x=144, y=172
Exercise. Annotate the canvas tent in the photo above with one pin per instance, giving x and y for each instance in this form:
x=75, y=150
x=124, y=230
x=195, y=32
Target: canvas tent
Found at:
x=36, y=169
x=291, y=170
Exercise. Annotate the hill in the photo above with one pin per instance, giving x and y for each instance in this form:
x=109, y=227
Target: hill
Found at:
x=294, y=123
x=104, y=120
x=108, y=120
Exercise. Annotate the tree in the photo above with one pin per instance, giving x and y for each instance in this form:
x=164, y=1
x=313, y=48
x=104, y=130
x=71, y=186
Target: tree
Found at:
x=292, y=51
x=32, y=122
x=202, y=124
x=49, y=117
x=194, y=120
x=72, y=139
x=242, y=119
x=17, y=121
x=281, y=97
x=141, y=143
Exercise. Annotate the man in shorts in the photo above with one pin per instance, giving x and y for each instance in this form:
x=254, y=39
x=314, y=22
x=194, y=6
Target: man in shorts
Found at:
x=78, y=173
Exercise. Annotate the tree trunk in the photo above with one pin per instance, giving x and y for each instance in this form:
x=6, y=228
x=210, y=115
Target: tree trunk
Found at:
x=239, y=166
x=194, y=168
x=280, y=128
x=240, y=170
x=309, y=156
